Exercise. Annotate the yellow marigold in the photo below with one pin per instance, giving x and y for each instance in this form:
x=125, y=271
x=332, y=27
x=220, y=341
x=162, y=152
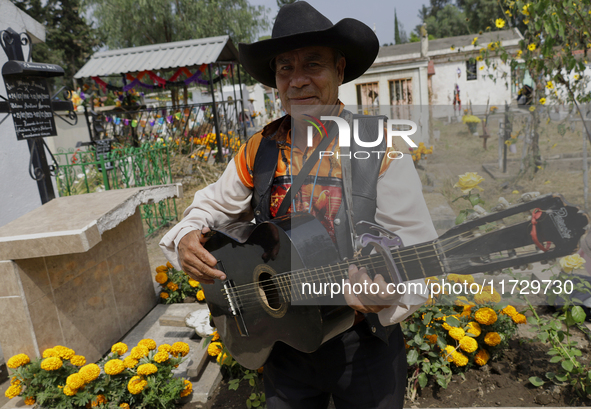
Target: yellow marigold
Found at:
x=465, y=278
x=147, y=369
x=90, y=372
x=188, y=389
x=64, y=352
x=161, y=357
x=30, y=401
x=75, y=381
x=49, y=352
x=148, y=343
x=495, y=297
x=468, y=344
x=161, y=269
x=114, y=367
x=180, y=348
x=161, y=278
x=461, y=301
x=13, y=391
x=124, y=405
x=448, y=352
x=100, y=399
x=172, y=286
x=200, y=295
x=482, y=298
x=460, y=359
x=453, y=277
x=492, y=339
x=51, y=364
x=119, y=348
x=485, y=316
x=481, y=357
x=129, y=362
x=467, y=310
x=164, y=348
x=474, y=328
x=169, y=265
x=519, y=319
x=69, y=391
x=193, y=283
x=164, y=295
x=570, y=263
x=78, y=360
x=215, y=336
x=15, y=381
x=214, y=348
x=509, y=310
x=223, y=357
x=18, y=360
x=136, y=385
x=457, y=333
x=139, y=352
x=469, y=181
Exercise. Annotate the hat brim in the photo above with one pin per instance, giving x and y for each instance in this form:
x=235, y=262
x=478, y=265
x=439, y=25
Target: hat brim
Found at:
x=355, y=40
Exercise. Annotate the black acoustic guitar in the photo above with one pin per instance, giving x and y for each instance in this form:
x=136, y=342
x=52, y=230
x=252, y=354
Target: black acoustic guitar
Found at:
x=260, y=301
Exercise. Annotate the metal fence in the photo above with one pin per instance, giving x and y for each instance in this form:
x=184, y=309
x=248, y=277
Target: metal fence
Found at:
x=98, y=168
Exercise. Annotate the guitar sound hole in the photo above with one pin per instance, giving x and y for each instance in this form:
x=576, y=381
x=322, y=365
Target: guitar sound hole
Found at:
x=268, y=291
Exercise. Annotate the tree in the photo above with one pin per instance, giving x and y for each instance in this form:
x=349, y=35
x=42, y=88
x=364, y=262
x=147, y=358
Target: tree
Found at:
x=70, y=40
x=396, y=32
x=448, y=21
x=132, y=23
x=481, y=14
x=281, y=3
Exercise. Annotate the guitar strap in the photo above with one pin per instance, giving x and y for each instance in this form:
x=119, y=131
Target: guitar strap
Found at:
x=348, y=186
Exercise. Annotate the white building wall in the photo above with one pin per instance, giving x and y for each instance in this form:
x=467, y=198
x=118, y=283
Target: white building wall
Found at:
x=19, y=191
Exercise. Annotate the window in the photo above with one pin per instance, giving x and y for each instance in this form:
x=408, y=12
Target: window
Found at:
x=367, y=96
x=401, y=92
x=471, y=69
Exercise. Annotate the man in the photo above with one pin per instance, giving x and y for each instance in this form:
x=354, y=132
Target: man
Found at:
x=307, y=59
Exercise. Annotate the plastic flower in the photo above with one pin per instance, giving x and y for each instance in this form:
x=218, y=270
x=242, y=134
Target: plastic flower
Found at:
x=509, y=310
x=52, y=363
x=69, y=391
x=78, y=360
x=119, y=348
x=64, y=352
x=531, y=47
x=75, y=381
x=459, y=359
x=18, y=360
x=30, y=401
x=147, y=369
x=188, y=389
x=500, y=23
x=161, y=277
x=90, y=372
x=481, y=357
x=180, y=348
x=469, y=181
x=468, y=344
x=200, y=295
x=457, y=333
x=139, y=352
x=114, y=367
x=13, y=391
x=492, y=339
x=164, y=348
x=214, y=348
x=161, y=357
x=193, y=283
x=519, y=319
x=474, y=328
x=570, y=263
x=49, y=352
x=172, y=286
x=485, y=316
x=136, y=385
x=129, y=362
x=148, y=343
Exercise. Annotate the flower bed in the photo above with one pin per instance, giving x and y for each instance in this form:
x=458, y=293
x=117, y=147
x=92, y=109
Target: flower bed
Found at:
x=177, y=285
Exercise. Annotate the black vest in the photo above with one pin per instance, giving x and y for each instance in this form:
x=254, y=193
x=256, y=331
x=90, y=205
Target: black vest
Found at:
x=364, y=177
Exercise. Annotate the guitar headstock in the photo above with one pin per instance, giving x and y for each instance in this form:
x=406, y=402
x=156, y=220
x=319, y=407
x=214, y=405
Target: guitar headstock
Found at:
x=504, y=239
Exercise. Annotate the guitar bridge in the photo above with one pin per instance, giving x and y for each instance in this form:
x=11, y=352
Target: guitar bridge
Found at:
x=235, y=307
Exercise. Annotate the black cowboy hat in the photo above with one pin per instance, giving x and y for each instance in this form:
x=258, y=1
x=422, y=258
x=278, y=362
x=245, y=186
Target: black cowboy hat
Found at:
x=300, y=25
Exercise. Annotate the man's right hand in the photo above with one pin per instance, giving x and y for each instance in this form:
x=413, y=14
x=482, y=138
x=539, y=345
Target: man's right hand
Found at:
x=195, y=260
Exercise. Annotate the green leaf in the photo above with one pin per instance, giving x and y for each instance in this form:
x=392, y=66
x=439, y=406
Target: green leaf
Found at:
x=550, y=375
x=556, y=325
x=474, y=199
x=532, y=320
x=461, y=218
x=423, y=379
x=555, y=359
x=543, y=336
x=252, y=396
x=567, y=365
x=442, y=381
x=453, y=321
x=411, y=357
x=251, y=382
x=441, y=343
x=256, y=404
x=535, y=381
x=425, y=346
x=427, y=319
x=561, y=378
x=553, y=351
x=578, y=314
x=248, y=404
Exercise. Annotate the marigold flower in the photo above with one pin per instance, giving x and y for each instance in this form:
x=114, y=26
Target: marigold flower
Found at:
x=124, y=405
x=51, y=364
x=500, y=23
x=114, y=367
x=161, y=278
x=495, y=297
x=215, y=336
x=448, y=353
x=570, y=263
x=147, y=369
x=509, y=310
x=75, y=381
x=474, y=328
x=224, y=359
x=169, y=265
x=193, y=283
x=161, y=269
x=482, y=298
x=457, y=333
x=15, y=381
x=164, y=348
x=64, y=352
x=481, y=357
x=119, y=348
x=148, y=343
x=214, y=348
x=469, y=181
x=432, y=339
x=187, y=390
x=172, y=286
x=18, y=360
x=459, y=359
x=485, y=316
x=200, y=295
x=492, y=339
x=519, y=319
x=49, y=352
x=30, y=401
x=468, y=344
x=139, y=352
x=100, y=399
x=130, y=362
x=161, y=357
x=136, y=385
x=90, y=372
x=180, y=348
x=164, y=295
x=13, y=391
x=69, y=391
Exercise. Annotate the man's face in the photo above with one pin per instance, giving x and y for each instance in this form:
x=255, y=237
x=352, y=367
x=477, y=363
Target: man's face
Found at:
x=308, y=76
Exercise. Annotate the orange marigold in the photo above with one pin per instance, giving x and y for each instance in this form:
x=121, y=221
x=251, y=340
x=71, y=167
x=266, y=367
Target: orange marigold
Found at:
x=481, y=357
x=492, y=339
